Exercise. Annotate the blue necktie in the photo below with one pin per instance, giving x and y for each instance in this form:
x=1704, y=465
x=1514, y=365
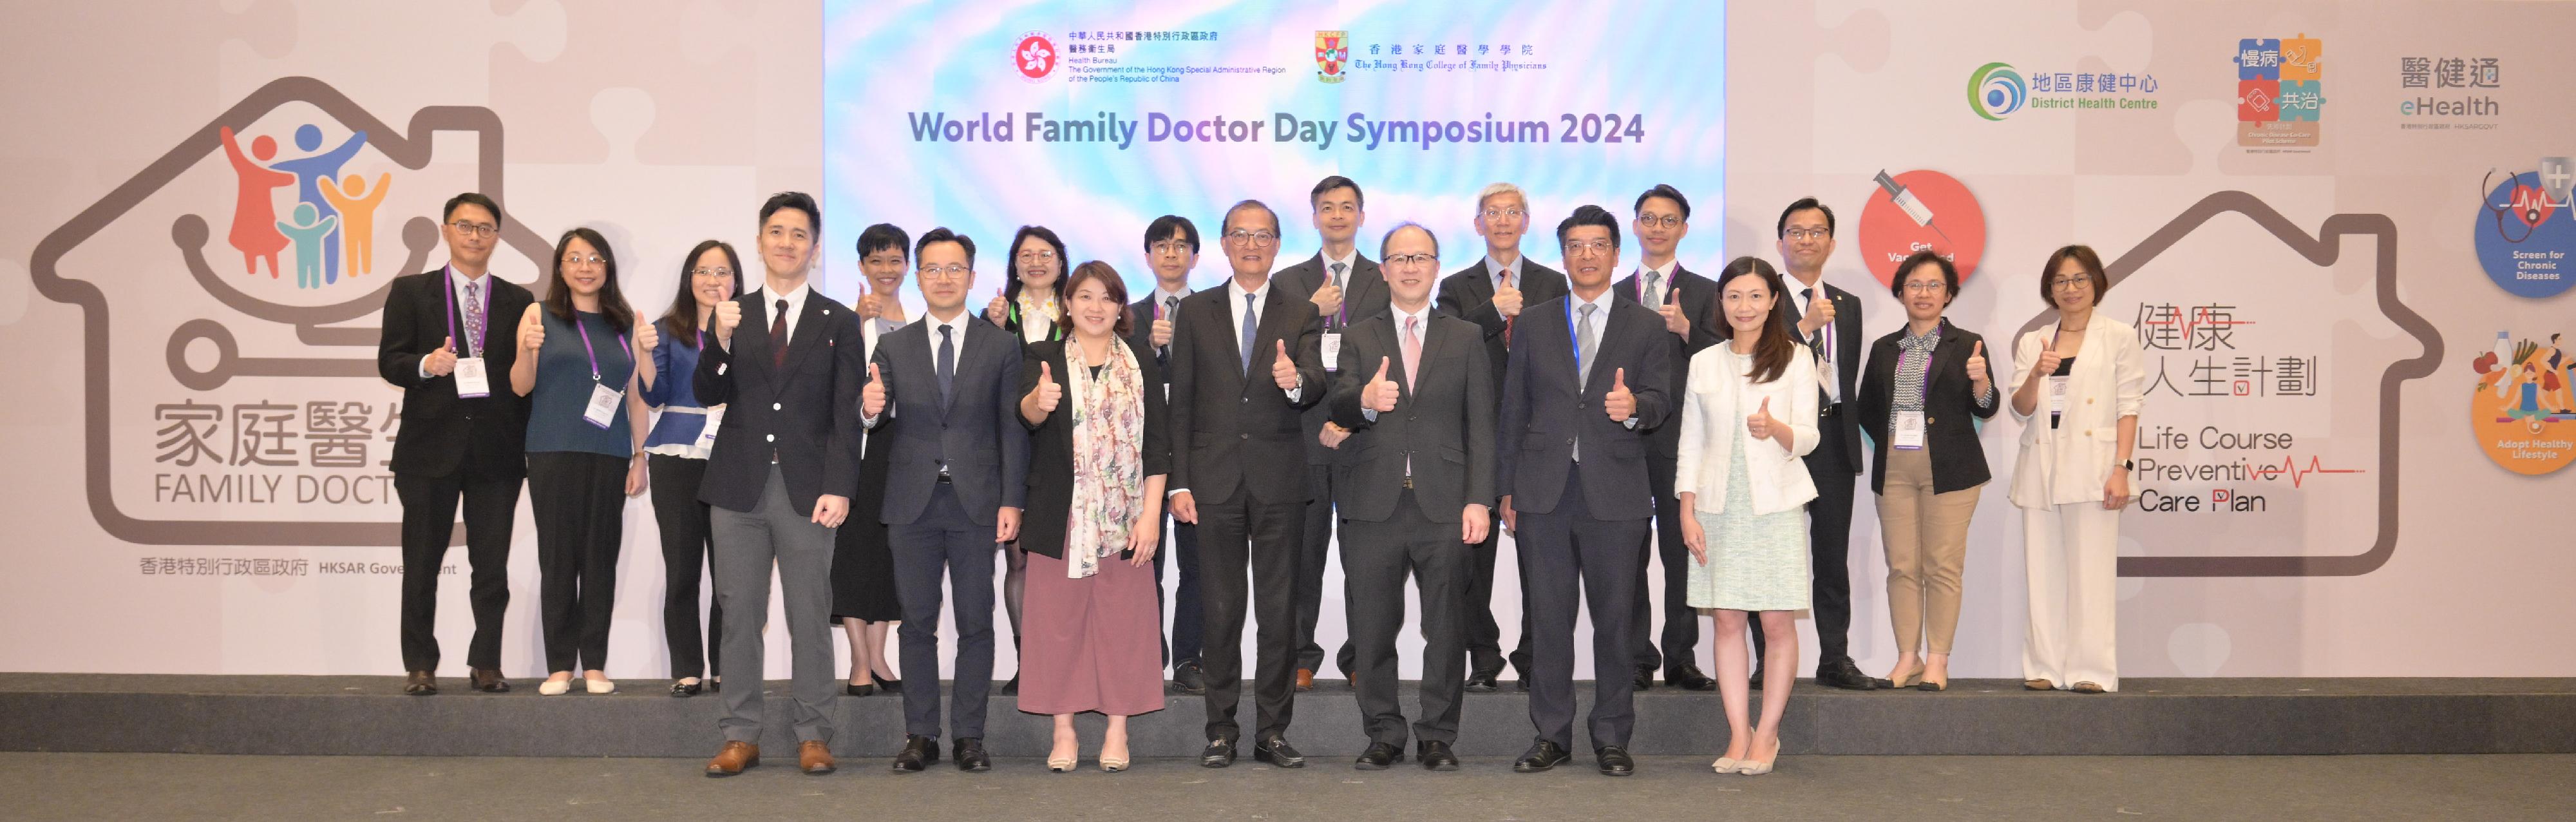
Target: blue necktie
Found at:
x=1251, y=323
x=947, y=365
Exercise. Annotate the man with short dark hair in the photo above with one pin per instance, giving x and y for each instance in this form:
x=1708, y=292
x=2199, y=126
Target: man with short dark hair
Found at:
x=1345, y=287
x=1688, y=304
x=1171, y=252
x=1827, y=319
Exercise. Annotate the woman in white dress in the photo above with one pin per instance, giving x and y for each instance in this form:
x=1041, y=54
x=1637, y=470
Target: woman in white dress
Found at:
x=1749, y=416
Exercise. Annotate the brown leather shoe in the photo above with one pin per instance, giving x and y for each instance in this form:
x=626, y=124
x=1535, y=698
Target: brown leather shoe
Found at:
x=488, y=680
x=733, y=758
x=420, y=683
x=1305, y=679
x=813, y=758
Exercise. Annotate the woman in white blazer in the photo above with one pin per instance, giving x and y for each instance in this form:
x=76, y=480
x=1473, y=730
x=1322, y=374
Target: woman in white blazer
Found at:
x=2079, y=385
x=1749, y=416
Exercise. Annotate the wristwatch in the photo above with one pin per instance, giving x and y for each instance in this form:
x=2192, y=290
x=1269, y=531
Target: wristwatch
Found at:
x=2128, y=465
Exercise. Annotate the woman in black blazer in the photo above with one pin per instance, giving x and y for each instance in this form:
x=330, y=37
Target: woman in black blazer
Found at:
x=1927, y=472
x=1098, y=456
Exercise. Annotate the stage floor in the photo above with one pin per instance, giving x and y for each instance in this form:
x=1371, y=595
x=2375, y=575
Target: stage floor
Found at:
x=351, y=715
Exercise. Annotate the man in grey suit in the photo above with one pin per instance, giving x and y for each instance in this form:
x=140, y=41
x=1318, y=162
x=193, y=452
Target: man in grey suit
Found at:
x=954, y=493
x=1416, y=491
x=1345, y=288
x=1491, y=294
x=1584, y=391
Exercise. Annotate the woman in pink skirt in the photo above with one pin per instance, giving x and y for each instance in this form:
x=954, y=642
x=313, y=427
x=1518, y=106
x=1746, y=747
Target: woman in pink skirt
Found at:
x=1097, y=459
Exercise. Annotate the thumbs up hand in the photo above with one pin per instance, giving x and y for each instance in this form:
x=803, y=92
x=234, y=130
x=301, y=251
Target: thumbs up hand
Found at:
x=872, y=398
x=1619, y=402
x=1820, y=313
x=1507, y=300
x=1381, y=393
x=1162, y=332
x=728, y=317
x=1674, y=320
x=1327, y=299
x=2049, y=360
x=1977, y=367
x=869, y=304
x=1283, y=370
x=441, y=362
x=646, y=337
x=532, y=330
x=1048, y=393
x=1760, y=423
x=997, y=310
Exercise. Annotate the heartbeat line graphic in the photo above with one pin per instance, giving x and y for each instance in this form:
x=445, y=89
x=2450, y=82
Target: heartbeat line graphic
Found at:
x=2298, y=475
x=2201, y=317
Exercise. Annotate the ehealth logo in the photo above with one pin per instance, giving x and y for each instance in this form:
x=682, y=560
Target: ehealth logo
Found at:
x=1995, y=91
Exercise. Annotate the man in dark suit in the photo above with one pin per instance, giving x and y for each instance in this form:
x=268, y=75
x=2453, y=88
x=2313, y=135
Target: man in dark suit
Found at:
x=1243, y=365
x=954, y=494
x=786, y=367
x=1828, y=320
x=1491, y=294
x=1416, y=493
x=1172, y=250
x=1584, y=389
x=1688, y=303
x=459, y=439
x=1345, y=288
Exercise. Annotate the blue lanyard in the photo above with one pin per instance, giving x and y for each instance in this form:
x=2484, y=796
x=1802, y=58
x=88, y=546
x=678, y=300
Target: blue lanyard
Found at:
x=1571, y=336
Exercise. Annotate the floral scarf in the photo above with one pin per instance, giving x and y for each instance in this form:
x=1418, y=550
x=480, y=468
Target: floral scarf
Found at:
x=1108, y=457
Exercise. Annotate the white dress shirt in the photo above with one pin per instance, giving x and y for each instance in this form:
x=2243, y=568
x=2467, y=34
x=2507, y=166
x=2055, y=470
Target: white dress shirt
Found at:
x=1833, y=376
x=1663, y=281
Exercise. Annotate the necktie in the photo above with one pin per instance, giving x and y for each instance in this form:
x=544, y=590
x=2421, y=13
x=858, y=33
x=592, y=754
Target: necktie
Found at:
x=474, y=318
x=1583, y=343
x=1251, y=323
x=1822, y=342
x=1816, y=340
x=1412, y=361
x=947, y=364
x=1654, y=290
x=778, y=337
x=1171, y=306
x=1345, y=311
x=1505, y=278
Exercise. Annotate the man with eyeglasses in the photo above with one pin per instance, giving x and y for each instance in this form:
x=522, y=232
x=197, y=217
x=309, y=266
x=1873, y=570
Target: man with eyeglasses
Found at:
x=1491, y=294
x=1827, y=319
x=1345, y=287
x=460, y=440
x=1244, y=363
x=1416, y=496
x=1172, y=251
x=1584, y=388
x=1688, y=304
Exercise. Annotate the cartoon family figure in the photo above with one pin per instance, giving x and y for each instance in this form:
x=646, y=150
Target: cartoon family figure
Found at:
x=2526, y=382
x=328, y=207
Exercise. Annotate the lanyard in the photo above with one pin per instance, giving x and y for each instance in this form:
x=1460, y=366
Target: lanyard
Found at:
x=583, y=326
x=485, y=309
x=1571, y=336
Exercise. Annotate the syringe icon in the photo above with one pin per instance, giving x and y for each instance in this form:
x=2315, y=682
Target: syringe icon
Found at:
x=1913, y=207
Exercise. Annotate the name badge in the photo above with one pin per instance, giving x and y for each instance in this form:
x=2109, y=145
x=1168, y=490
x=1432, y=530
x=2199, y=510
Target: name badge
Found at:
x=707, y=435
x=1332, y=351
x=2057, y=395
x=1909, y=430
x=603, y=405
x=471, y=379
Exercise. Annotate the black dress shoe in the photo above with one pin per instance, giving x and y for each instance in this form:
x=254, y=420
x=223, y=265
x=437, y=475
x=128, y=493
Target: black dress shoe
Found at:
x=1542, y=755
x=1483, y=682
x=1219, y=753
x=420, y=683
x=687, y=689
x=1645, y=677
x=1841, y=673
x=970, y=755
x=918, y=752
x=1274, y=750
x=1378, y=757
x=488, y=680
x=1012, y=688
x=1614, y=761
x=869, y=689
x=1688, y=678
x=1189, y=679
x=715, y=686
x=1436, y=756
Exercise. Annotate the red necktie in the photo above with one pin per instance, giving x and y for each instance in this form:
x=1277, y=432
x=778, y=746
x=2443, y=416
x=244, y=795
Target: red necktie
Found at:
x=778, y=338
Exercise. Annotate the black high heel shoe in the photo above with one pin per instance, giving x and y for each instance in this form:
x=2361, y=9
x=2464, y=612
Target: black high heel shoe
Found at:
x=869, y=689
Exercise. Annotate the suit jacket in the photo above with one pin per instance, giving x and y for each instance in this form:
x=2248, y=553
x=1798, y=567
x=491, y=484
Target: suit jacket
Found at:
x=1958, y=459
x=1140, y=321
x=1231, y=432
x=1468, y=294
x=977, y=429
x=1363, y=296
x=439, y=428
x=805, y=415
x=1050, y=474
x=1720, y=399
x=1844, y=426
x=1445, y=424
x=1544, y=414
x=2071, y=462
x=1697, y=296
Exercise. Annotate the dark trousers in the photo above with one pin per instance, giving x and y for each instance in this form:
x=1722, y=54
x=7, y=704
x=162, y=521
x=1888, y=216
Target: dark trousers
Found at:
x=1376, y=557
x=1484, y=635
x=687, y=544
x=1577, y=561
x=1681, y=624
x=428, y=522
x=944, y=541
x=1315, y=549
x=578, y=500
x=1188, y=622
x=1828, y=546
x=1235, y=535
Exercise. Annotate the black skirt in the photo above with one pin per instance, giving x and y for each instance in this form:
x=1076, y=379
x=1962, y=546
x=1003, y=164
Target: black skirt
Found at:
x=862, y=562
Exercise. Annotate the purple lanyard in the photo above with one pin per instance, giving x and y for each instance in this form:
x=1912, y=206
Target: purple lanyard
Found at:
x=583, y=327
x=486, y=309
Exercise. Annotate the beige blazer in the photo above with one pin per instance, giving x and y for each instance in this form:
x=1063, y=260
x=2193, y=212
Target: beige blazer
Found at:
x=1720, y=397
x=2069, y=463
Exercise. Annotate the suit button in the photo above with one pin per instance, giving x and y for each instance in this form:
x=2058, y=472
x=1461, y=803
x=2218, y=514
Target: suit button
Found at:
x=770, y=438
x=774, y=406
x=1930, y=420
x=1245, y=436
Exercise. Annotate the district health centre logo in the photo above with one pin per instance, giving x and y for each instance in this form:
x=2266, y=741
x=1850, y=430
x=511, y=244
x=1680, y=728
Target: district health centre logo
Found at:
x=1995, y=91
x=2280, y=92
x=1035, y=56
x=1332, y=56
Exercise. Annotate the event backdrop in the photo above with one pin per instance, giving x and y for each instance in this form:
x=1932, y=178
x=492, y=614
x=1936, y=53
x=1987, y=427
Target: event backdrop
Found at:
x=2341, y=228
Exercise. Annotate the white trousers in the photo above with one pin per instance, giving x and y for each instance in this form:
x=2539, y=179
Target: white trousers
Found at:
x=2071, y=554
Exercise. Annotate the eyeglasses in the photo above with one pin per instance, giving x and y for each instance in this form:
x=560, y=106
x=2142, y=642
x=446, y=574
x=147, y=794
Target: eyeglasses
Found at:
x=1413, y=259
x=1242, y=236
x=716, y=271
x=1927, y=286
x=1038, y=256
x=570, y=260
x=949, y=271
x=1499, y=213
x=1588, y=247
x=1172, y=247
x=1807, y=234
x=1337, y=208
x=1664, y=220
x=474, y=229
x=2064, y=283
